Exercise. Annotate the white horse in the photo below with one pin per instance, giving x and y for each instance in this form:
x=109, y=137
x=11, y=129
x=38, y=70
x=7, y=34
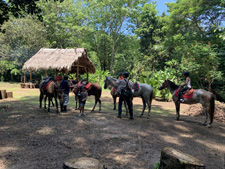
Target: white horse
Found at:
x=145, y=91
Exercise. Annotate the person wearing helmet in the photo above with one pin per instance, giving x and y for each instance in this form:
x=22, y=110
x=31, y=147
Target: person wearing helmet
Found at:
x=120, y=76
x=187, y=85
x=125, y=95
x=65, y=85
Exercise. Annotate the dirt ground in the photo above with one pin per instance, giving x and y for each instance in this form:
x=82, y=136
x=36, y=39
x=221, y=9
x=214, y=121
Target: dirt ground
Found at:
x=31, y=138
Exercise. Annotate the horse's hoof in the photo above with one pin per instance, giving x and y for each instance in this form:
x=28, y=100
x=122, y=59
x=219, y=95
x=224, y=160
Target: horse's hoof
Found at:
x=141, y=115
x=148, y=117
x=208, y=126
x=177, y=118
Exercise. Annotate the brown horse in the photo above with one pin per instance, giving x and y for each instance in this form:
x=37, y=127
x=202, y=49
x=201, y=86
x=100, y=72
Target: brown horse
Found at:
x=199, y=96
x=95, y=89
x=53, y=91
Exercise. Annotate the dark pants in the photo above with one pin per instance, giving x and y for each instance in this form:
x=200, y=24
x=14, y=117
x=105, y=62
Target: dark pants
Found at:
x=181, y=92
x=129, y=104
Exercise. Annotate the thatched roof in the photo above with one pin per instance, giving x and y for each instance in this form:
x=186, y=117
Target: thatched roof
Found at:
x=65, y=60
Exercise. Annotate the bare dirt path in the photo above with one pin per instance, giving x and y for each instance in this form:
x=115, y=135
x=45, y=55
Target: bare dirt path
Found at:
x=31, y=138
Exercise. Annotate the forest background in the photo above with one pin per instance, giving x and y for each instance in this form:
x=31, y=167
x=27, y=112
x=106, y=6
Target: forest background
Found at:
x=120, y=35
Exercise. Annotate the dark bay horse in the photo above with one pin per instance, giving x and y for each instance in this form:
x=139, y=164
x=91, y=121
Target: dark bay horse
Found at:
x=53, y=91
x=94, y=90
x=199, y=96
x=145, y=91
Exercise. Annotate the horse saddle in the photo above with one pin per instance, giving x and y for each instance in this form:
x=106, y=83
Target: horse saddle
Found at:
x=46, y=84
x=87, y=85
x=135, y=87
x=186, y=94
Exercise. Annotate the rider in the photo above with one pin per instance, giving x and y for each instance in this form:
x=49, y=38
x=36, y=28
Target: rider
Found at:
x=120, y=76
x=65, y=84
x=187, y=85
x=125, y=97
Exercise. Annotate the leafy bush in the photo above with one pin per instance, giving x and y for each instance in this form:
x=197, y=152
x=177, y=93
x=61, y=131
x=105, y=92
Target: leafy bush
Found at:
x=155, y=79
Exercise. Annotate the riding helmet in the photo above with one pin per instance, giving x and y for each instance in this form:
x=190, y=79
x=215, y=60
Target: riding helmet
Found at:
x=126, y=74
x=120, y=74
x=186, y=73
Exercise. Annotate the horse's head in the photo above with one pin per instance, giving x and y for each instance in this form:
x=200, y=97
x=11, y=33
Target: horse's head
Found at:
x=107, y=82
x=164, y=85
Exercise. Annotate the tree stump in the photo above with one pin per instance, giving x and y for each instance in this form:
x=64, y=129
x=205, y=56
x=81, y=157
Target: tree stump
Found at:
x=82, y=163
x=3, y=94
x=174, y=159
x=9, y=94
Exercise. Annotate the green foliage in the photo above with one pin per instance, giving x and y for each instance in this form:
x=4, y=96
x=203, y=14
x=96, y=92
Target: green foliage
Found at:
x=6, y=68
x=98, y=77
x=155, y=79
x=21, y=39
x=200, y=60
x=157, y=165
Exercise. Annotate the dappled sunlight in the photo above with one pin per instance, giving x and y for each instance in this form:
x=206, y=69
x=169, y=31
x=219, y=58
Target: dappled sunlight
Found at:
x=79, y=140
x=180, y=127
x=122, y=158
x=7, y=149
x=15, y=116
x=171, y=139
x=4, y=128
x=46, y=131
x=212, y=145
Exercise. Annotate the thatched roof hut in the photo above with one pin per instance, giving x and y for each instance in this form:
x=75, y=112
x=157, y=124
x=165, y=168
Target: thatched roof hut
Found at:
x=64, y=60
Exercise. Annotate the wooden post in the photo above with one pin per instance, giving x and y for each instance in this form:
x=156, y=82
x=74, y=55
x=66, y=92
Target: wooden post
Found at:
x=87, y=72
x=24, y=80
x=30, y=75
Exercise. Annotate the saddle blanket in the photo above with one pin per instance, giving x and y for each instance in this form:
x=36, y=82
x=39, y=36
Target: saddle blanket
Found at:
x=188, y=94
x=135, y=87
x=88, y=86
x=46, y=85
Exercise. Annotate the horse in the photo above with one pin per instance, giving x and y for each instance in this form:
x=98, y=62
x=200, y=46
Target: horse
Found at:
x=199, y=96
x=145, y=91
x=53, y=91
x=94, y=90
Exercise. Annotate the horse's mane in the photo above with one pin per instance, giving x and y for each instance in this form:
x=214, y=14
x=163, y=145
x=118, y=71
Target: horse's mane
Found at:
x=173, y=85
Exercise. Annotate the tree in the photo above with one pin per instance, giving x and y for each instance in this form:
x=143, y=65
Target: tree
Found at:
x=3, y=12
x=149, y=29
x=21, y=39
x=64, y=22
x=110, y=19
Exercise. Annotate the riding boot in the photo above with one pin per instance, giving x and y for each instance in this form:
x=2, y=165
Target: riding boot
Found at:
x=61, y=107
x=65, y=108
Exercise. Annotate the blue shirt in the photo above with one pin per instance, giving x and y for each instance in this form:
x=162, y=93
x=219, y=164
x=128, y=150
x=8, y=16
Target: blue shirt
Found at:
x=65, y=85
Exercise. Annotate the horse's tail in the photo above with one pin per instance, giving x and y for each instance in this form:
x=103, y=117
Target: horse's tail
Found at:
x=212, y=108
x=151, y=97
